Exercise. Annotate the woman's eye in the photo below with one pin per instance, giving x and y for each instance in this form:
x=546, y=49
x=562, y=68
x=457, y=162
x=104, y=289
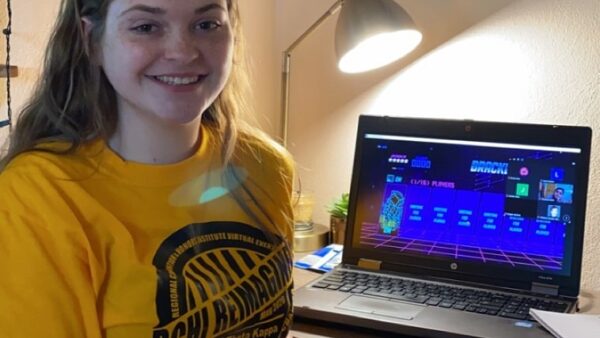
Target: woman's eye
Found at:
x=208, y=25
x=145, y=28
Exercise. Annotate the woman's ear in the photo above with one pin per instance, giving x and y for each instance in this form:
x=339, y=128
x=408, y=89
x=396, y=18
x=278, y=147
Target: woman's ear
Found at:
x=92, y=53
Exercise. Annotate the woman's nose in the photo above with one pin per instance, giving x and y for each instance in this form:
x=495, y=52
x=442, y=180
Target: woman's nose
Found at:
x=181, y=47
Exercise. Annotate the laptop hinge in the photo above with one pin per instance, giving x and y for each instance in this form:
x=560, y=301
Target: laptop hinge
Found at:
x=369, y=264
x=544, y=289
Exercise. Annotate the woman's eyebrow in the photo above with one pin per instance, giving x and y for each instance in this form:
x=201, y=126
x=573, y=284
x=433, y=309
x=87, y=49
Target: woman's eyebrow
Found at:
x=209, y=7
x=143, y=8
x=158, y=10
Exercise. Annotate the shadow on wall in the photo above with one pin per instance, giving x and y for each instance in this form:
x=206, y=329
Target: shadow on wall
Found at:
x=439, y=21
x=318, y=87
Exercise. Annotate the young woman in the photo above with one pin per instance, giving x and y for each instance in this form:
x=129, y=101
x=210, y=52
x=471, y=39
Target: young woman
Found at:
x=132, y=201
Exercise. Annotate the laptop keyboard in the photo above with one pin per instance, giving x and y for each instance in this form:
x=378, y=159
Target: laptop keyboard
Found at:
x=444, y=296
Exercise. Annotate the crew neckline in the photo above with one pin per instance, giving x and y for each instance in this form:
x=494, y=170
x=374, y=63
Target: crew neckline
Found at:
x=145, y=174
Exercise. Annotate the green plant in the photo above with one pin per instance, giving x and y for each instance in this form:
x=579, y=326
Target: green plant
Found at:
x=339, y=207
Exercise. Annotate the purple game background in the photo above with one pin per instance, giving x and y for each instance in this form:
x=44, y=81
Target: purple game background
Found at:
x=477, y=217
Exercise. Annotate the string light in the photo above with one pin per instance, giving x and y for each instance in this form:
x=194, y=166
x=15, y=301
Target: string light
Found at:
x=7, y=32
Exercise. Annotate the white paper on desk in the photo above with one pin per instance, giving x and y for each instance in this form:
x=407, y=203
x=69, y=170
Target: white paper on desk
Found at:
x=568, y=325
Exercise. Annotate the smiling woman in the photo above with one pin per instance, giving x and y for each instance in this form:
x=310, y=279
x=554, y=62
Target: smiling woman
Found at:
x=167, y=67
x=133, y=202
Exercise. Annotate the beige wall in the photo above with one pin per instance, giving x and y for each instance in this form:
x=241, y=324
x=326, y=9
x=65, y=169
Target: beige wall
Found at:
x=533, y=60
x=258, y=19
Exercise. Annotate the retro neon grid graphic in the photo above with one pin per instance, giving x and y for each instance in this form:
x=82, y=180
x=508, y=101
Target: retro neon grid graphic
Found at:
x=470, y=201
x=466, y=225
x=371, y=236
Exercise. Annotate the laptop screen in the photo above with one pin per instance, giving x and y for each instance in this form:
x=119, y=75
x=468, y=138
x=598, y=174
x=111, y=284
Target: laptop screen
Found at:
x=488, y=201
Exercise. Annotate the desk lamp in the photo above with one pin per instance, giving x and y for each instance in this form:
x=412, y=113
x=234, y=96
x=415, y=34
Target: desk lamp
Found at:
x=369, y=34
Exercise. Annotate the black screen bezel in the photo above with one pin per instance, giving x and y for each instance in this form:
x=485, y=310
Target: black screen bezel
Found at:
x=517, y=133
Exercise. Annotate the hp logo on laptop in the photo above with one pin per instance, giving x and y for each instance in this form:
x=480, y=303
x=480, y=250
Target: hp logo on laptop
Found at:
x=453, y=266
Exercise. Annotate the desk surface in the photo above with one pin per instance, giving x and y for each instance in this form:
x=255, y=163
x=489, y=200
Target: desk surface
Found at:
x=589, y=302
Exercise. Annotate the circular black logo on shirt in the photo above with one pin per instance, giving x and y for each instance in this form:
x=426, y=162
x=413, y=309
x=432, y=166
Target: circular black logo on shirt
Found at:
x=222, y=279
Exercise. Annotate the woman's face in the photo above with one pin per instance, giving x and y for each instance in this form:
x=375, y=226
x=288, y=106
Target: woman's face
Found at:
x=167, y=59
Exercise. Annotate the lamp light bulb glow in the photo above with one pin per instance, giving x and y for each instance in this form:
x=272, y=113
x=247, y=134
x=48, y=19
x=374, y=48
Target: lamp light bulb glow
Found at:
x=379, y=51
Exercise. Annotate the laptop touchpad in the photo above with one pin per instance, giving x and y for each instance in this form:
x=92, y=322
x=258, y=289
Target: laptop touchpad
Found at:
x=381, y=307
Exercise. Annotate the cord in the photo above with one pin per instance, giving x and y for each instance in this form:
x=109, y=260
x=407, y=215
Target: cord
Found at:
x=7, y=32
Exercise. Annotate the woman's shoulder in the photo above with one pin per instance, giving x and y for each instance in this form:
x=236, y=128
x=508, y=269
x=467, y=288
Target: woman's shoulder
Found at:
x=265, y=150
x=50, y=160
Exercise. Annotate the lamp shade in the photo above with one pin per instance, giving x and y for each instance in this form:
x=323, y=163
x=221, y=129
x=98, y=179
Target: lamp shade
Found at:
x=373, y=33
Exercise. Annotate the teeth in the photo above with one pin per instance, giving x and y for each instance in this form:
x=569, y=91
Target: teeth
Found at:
x=177, y=81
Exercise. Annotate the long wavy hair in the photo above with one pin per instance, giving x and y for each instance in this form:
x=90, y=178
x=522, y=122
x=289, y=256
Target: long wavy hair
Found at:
x=73, y=101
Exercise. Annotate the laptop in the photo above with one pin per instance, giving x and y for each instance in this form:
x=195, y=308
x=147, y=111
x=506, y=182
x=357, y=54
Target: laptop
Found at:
x=458, y=228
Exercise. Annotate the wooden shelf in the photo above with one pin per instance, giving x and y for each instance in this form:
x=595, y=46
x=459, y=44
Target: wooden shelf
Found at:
x=13, y=71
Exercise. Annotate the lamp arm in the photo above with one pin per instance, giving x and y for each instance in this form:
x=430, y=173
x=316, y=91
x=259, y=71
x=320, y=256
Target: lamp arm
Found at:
x=285, y=72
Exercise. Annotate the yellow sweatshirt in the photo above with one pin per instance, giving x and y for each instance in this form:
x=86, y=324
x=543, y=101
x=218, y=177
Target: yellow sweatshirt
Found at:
x=94, y=246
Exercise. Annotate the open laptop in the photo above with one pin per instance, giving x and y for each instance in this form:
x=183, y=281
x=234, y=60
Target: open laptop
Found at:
x=458, y=228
